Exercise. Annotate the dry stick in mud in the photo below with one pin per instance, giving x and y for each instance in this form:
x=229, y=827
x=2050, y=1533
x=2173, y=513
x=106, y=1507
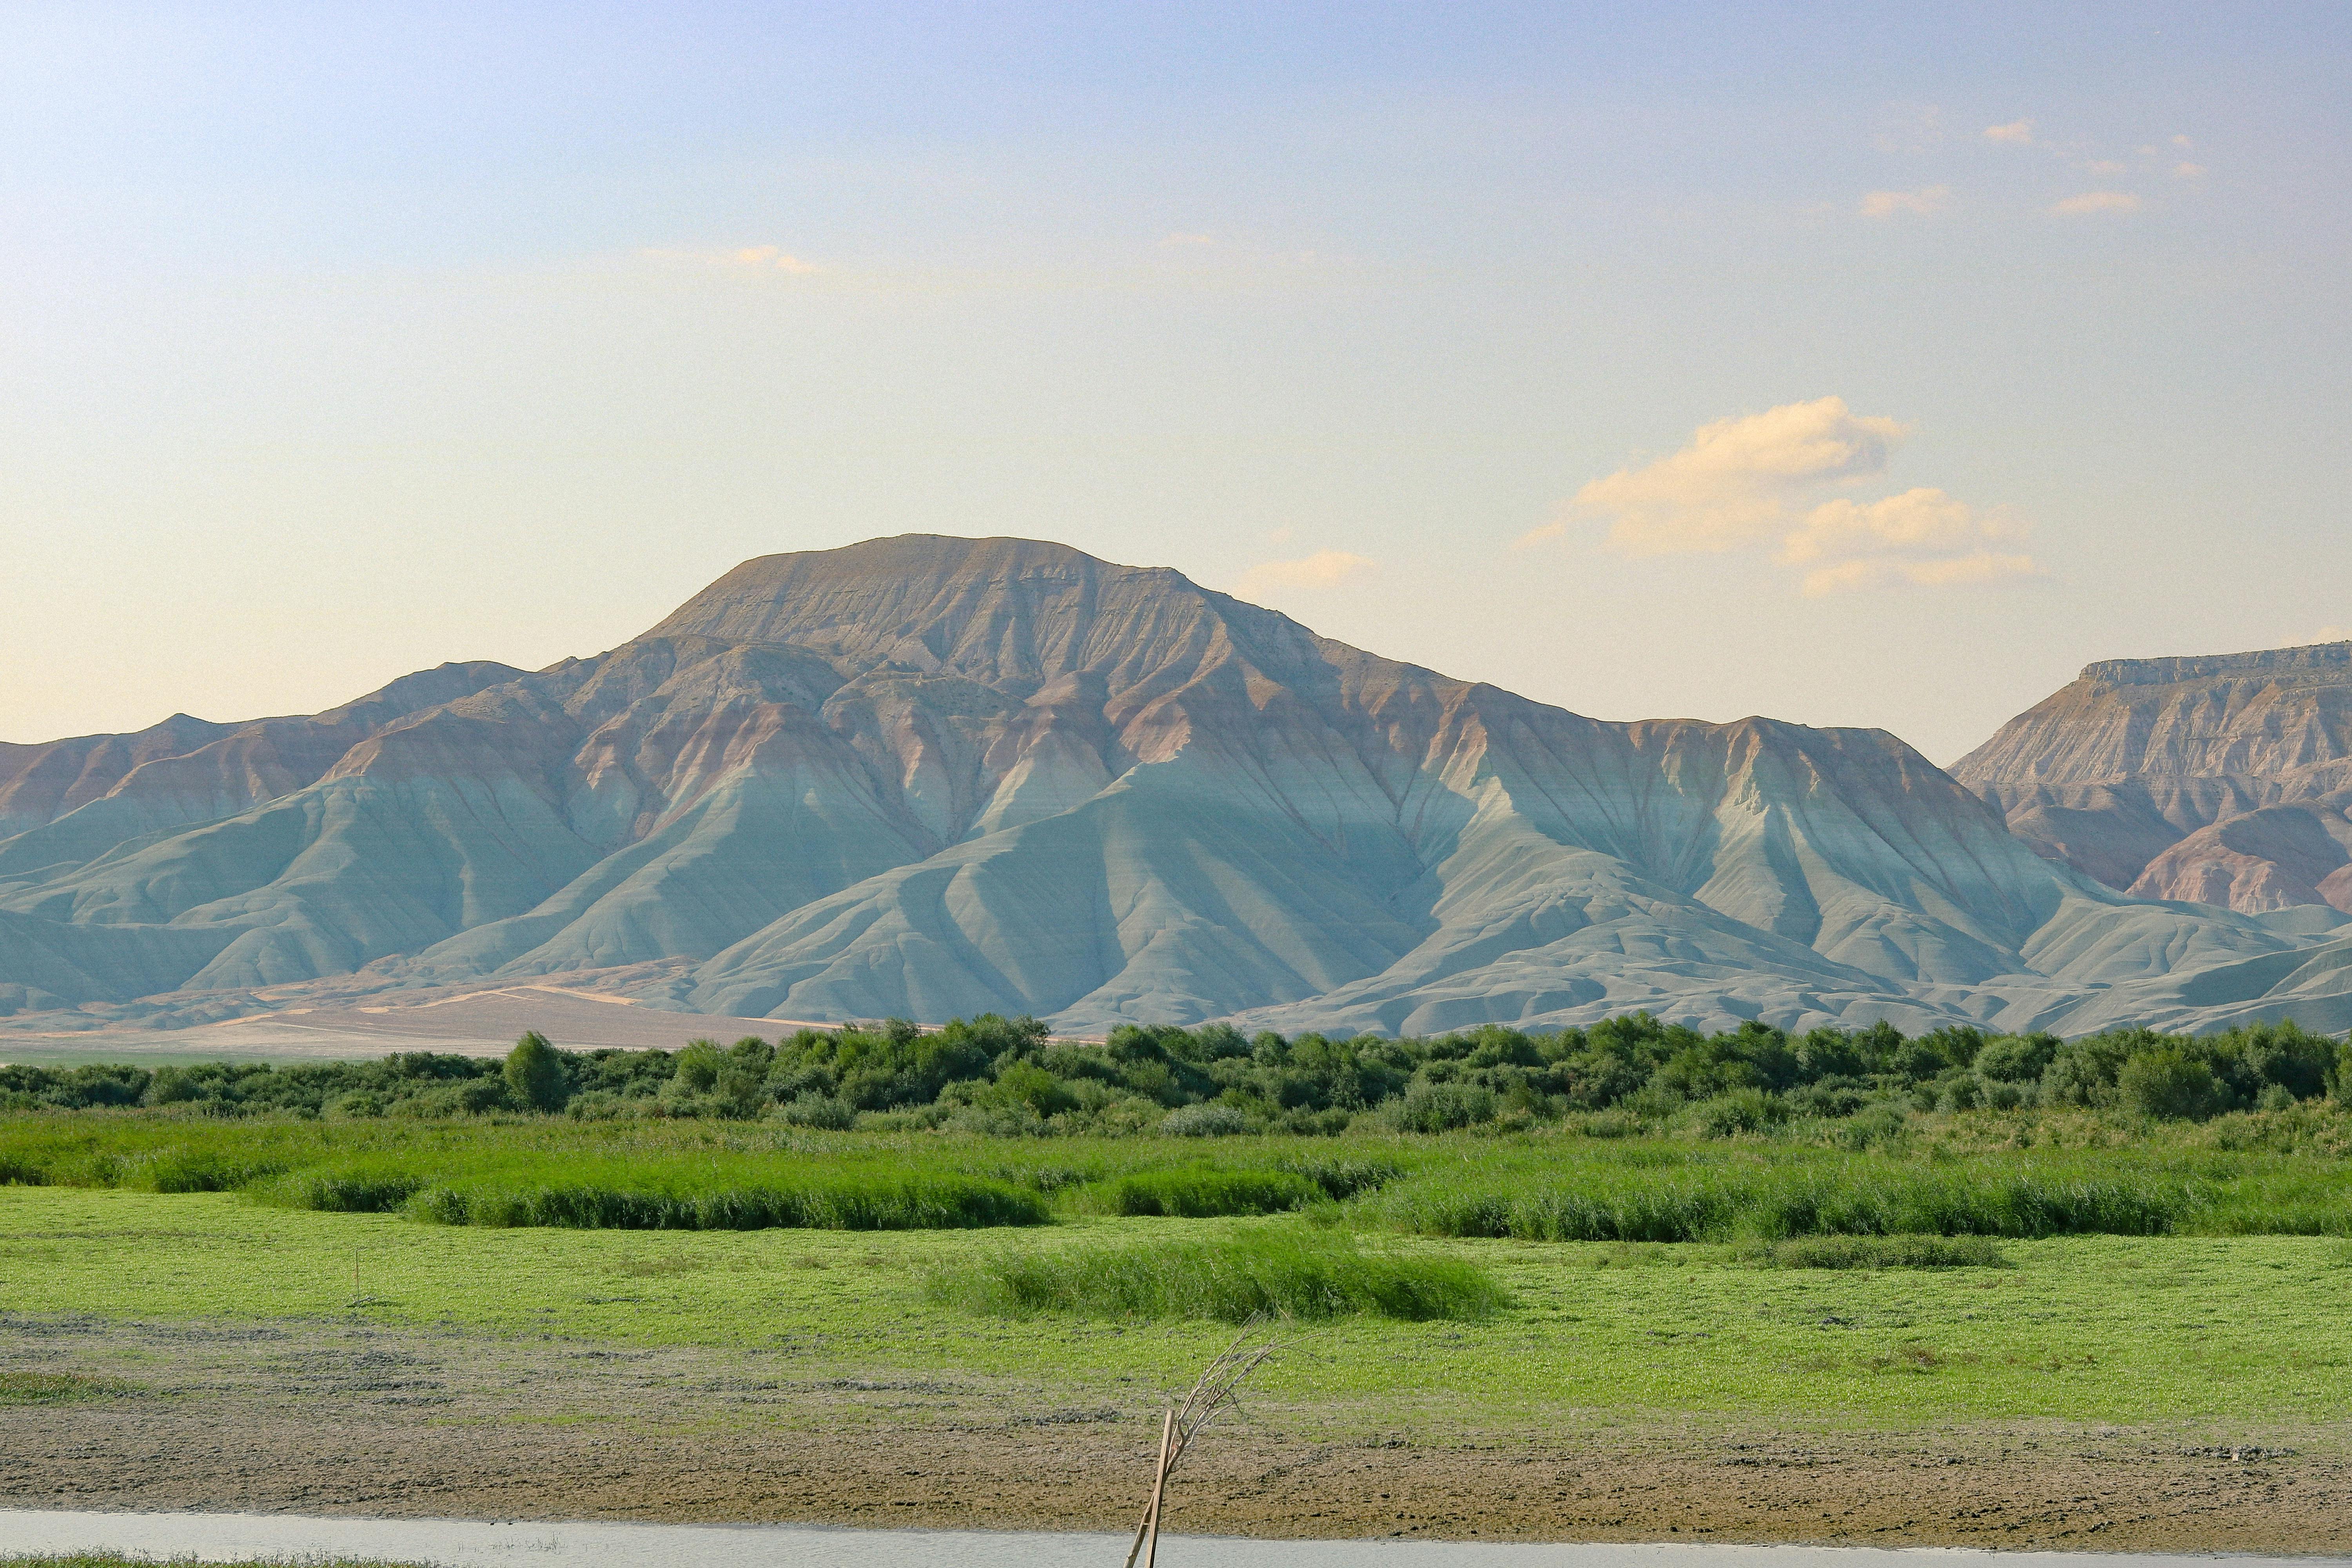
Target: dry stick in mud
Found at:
x=1213, y=1392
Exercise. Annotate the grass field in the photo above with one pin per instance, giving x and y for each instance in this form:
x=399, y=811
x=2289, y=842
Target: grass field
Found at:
x=2069, y=1176
x=1962, y=1327
x=2228, y=1329
x=1474, y=1279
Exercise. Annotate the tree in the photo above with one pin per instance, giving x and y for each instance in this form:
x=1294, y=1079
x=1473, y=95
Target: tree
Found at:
x=535, y=1074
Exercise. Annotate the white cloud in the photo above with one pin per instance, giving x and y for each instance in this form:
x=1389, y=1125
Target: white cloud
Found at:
x=1887, y=204
x=1731, y=486
x=2332, y=634
x=2091, y=202
x=1917, y=520
x=2183, y=142
x=1752, y=482
x=1969, y=571
x=1324, y=569
x=2017, y=133
x=1921, y=537
x=2189, y=171
x=2103, y=166
x=767, y=257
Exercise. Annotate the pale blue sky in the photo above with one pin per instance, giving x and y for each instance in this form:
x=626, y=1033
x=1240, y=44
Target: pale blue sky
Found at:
x=340, y=340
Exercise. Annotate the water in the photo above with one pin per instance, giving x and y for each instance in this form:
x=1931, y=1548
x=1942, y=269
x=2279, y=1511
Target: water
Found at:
x=469, y=1543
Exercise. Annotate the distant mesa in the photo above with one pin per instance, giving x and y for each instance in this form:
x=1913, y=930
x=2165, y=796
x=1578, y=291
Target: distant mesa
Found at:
x=2223, y=780
x=929, y=776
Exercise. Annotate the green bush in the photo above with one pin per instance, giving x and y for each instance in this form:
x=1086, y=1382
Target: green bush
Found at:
x=1740, y=1110
x=1294, y=1274
x=2017, y=1059
x=818, y=1111
x=1442, y=1107
x=2170, y=1085
x=1211, y=1120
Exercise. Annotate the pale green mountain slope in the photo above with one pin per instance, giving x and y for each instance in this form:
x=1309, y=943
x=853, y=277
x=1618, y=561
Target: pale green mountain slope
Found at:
x=931, y=776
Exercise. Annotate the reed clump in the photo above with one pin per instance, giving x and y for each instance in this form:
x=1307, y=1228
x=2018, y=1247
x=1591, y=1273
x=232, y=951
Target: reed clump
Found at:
x=1275, y=1272
x=1201, y=1193
x=1848, y=1198
x=1883, y=1252
x=853, y=1203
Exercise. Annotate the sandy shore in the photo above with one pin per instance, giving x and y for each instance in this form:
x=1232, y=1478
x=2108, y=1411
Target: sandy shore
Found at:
x=328, y=1417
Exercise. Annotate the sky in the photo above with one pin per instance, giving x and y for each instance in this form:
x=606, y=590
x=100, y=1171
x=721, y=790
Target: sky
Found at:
x=1857, y=366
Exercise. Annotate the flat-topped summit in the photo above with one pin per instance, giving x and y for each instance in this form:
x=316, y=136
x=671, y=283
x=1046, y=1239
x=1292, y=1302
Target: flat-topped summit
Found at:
x=2221, y=779
x=2319, y=661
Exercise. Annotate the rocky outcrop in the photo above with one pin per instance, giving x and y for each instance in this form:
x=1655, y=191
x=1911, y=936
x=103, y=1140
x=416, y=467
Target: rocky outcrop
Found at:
x=2224, y=780
x=930, y=776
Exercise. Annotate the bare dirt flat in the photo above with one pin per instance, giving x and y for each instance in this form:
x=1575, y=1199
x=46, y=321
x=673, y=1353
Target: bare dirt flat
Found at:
x=326, y=1416
x=468, y=1022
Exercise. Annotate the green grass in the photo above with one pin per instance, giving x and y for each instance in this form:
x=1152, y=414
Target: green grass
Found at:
x=1884, y=1252
x=1229, y=1279
x=1551, y=1186
x=656, y=1194
x=2170, y=1278
x=2089, y=1329
x=57, y=1388
x=1854, y=1195
x=1195, y=1193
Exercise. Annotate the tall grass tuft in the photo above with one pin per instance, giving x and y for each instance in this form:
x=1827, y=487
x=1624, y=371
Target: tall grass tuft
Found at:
x=1297, y=1274
x=1200, y=1193
x=1855, y=1198
x=848, y=1202
x=1884, y=1252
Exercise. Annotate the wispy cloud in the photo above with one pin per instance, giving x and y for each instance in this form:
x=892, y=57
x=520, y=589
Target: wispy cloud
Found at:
x=1754, y=482
x=1922, y=537
x=1731, y=486
x=2189, y=171
x=1919, y=202
x=1908, y=128
x=2332, y=634
x=744, y=258
x=2091, y=203
x=1323, y=570
x=1974, y=570
x=2017, y=133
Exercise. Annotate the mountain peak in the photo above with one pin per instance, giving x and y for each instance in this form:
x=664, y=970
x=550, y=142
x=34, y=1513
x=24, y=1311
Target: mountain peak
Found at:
x=930, y=776
x=1013, y=610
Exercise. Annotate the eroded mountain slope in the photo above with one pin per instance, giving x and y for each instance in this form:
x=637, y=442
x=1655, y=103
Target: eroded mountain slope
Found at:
x=2224, y=780
x=931, y=776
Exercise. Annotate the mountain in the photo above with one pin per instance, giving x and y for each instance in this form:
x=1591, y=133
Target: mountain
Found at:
x=2223, y=780
x=929, y=776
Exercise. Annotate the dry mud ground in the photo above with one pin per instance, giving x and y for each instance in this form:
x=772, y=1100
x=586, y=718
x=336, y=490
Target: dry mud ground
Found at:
x=332, y=1417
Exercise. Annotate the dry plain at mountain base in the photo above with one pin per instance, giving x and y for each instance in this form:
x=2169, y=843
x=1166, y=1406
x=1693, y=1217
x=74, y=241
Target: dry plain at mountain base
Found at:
x=347, y=1417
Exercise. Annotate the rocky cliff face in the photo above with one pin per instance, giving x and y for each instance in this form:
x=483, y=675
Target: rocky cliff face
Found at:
x=930, y=776
x=2224, y=780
